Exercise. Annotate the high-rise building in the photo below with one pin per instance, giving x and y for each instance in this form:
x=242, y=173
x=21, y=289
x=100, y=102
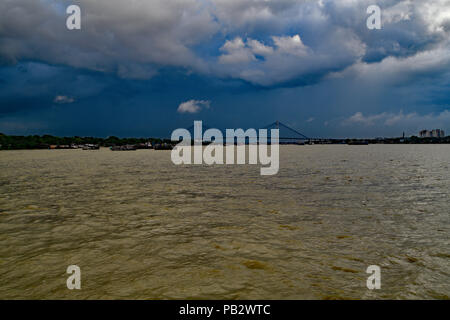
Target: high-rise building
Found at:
x=425, y=134
x=436, y=133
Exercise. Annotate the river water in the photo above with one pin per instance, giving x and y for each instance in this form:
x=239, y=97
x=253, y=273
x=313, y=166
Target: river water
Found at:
x=140, y=227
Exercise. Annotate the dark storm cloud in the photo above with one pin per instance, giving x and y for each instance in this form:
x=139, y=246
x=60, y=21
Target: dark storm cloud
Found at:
x=264, y=42
x=35, y=85
x=252, y=59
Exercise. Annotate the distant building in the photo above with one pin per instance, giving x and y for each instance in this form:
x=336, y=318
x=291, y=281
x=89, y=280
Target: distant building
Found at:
x=424, y=134
x=436, y=133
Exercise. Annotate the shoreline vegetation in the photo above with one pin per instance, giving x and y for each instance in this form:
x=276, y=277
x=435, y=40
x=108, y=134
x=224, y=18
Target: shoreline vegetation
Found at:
x=10, y=142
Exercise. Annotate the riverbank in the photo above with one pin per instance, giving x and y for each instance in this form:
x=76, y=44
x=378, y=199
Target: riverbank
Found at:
x=8, y=142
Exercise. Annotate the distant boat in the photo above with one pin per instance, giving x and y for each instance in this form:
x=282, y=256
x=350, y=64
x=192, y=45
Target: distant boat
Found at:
x=163, y=146
x=147, y=145
x=358, y=143
x=127, y=147
x=90, y=147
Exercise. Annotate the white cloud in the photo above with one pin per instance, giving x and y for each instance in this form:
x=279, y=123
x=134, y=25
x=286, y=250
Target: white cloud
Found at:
x=412, y=121
x=259, y=48
x=365, y=120
x=193, y=106
x=432, y=63
x=400, y=12
x=290, y=45
x=235, y=52
x=436, y=14
x=238, y=51
x=286, y=56
x=63, y=99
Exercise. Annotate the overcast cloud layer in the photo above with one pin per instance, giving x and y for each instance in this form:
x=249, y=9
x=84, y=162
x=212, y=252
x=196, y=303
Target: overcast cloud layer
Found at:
x=267, y=44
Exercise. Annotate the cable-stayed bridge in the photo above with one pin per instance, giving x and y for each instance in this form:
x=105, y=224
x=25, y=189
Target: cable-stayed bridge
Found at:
x=287, y=135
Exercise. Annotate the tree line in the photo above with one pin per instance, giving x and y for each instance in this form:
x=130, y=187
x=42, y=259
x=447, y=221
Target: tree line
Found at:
x=8, y=142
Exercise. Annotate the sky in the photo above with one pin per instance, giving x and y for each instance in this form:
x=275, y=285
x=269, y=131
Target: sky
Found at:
x=142, y=68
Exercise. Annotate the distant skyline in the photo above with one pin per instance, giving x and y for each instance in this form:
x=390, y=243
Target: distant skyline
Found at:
x=145, y=68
